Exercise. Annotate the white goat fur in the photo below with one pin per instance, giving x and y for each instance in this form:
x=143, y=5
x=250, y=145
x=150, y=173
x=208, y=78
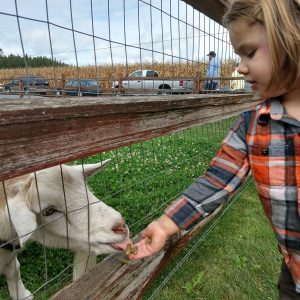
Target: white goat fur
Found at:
x=80, y=221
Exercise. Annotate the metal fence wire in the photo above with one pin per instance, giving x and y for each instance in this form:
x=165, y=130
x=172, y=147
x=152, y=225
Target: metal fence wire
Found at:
x=107, y=41
x=140, y=181
x=106, y=48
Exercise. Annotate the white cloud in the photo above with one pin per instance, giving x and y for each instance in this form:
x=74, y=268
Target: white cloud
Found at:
x=174, y=37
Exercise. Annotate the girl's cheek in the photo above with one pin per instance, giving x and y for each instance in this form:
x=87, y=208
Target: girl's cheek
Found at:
x=265, y=50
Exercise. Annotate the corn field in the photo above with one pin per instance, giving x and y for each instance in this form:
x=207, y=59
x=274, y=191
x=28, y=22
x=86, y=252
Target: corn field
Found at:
x=106, y=74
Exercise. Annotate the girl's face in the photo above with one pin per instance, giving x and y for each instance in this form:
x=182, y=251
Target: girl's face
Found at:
x=249, y=42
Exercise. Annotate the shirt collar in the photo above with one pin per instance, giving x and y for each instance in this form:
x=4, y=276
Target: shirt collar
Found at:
x=277, y=112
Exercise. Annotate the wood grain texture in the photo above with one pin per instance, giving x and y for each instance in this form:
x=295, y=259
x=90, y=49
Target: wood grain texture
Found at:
x=39, y=133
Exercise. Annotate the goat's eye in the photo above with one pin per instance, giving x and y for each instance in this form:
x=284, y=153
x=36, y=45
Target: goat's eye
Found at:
x=49, y=211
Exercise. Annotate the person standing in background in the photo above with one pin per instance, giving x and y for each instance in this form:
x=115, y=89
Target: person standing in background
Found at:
x=237, y=84
x=212, y=71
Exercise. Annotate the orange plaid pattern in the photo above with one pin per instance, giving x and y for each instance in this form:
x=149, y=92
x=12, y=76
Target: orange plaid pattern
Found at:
x=265, y=140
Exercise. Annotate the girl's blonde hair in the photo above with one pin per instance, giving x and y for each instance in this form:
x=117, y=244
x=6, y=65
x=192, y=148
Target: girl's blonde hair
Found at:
x=281, y=19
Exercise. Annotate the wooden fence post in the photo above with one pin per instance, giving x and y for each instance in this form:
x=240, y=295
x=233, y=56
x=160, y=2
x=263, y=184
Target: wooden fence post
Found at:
x=21, y=88
x=197, y=83
x=63, y=83
x=120, y=86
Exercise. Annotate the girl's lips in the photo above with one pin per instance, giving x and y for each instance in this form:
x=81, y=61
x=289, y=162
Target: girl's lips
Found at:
x=253, y=85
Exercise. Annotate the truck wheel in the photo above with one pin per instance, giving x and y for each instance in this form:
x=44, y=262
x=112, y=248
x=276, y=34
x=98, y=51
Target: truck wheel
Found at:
x=164, y=87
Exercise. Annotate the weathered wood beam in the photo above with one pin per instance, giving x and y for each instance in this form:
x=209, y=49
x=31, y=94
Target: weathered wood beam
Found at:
x=114, y=280
x=39, y=133
x=214, y=9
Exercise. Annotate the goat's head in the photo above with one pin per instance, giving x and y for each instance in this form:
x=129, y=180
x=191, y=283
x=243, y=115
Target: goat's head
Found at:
x=60, y=211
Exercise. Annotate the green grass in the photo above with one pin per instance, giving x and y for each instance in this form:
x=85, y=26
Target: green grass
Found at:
x=140, y=182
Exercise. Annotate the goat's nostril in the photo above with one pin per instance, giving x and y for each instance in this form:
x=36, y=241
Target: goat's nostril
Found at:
x=120, y=228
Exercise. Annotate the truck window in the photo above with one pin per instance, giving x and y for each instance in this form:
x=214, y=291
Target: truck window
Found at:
x=137, y=74
x=151, y=74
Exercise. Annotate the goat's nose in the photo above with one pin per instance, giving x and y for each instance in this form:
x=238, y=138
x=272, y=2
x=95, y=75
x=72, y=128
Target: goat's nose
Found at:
x=120, y=228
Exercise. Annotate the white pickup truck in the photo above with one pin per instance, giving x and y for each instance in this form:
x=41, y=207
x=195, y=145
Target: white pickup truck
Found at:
x=149, y=82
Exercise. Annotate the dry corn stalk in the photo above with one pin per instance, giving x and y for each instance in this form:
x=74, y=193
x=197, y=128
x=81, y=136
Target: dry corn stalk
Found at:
x=106, y=74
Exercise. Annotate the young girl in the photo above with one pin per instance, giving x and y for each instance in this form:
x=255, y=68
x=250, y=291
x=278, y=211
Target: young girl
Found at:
x=266, y=140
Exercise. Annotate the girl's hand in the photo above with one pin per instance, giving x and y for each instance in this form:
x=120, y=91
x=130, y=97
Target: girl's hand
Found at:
x=154, y=237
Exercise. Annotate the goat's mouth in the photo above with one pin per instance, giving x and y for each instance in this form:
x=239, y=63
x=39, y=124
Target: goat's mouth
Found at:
x=116, y=246
x=122, y=245
x=106, y=248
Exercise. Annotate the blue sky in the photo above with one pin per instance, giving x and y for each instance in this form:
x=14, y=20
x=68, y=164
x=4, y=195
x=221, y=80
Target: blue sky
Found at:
x=156, y=31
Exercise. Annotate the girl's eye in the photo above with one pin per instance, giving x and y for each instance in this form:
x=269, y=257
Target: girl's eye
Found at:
x=251, y=53
x=49, y=211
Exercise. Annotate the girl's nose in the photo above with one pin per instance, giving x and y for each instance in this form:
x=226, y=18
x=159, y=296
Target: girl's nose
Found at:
x=242, y=68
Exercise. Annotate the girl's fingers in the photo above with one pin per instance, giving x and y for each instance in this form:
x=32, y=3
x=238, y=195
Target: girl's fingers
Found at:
x=144, y=249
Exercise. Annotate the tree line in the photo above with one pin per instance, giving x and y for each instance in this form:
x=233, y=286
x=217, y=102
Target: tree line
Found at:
x=16, y=61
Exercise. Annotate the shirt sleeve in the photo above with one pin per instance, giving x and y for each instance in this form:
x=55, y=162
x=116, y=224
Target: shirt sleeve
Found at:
x=226, y=173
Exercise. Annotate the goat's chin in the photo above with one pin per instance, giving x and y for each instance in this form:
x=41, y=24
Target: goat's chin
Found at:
x=106, y=248
x=94, y=247
x=96, y=250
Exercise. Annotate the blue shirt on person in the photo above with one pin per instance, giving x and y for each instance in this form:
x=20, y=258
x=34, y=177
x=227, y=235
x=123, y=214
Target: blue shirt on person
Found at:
x=213, y=69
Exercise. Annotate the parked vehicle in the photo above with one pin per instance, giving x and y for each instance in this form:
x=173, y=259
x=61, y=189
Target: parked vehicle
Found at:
x=35, y=84
x=82, y=87
x=147, y=81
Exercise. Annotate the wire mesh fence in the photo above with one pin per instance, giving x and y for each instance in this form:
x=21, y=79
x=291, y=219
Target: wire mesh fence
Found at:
x=140, y=181
x=59, y=45
x=108, y=48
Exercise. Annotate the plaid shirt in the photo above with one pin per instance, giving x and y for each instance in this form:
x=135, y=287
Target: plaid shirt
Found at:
x=267, y=141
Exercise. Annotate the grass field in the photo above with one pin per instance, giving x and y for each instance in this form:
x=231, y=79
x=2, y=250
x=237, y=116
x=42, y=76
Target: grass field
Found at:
x=139, y=182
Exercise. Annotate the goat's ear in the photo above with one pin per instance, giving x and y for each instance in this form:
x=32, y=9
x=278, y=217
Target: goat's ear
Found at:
x=91, y=169
x=22, y=218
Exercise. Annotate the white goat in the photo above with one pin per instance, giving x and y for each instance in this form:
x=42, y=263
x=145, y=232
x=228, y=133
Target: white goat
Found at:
x=55, y=207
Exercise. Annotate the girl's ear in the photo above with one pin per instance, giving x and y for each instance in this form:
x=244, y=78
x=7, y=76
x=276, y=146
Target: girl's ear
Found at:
x=22, y=218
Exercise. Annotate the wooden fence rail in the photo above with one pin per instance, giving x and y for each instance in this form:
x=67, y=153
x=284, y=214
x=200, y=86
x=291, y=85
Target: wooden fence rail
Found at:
x=39, y=133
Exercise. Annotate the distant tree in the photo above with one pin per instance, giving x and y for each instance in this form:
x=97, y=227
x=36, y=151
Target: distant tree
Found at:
x=16, y=61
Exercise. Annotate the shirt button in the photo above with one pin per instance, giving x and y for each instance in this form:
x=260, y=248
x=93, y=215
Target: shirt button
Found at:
x=264, y=151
